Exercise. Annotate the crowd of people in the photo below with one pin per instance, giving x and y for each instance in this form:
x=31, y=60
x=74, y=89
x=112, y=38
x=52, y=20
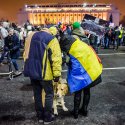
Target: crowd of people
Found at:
x=43, y=48
x=113, y=36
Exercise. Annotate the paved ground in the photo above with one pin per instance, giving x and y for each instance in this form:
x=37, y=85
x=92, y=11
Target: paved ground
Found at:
x=107, y=105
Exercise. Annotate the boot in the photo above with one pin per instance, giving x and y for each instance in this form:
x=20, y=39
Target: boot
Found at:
x=84, y=112
x=40, y=116
x=77, y=100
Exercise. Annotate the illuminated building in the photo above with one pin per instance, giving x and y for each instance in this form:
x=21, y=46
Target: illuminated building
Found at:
x=66, y=13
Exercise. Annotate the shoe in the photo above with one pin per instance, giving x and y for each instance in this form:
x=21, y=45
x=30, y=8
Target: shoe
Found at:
x=40, y=120
x=17, y=72
x=48, y=121
x=84, y=113
x=75, y=114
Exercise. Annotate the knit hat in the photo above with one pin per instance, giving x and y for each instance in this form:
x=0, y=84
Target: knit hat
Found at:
x=76, y=25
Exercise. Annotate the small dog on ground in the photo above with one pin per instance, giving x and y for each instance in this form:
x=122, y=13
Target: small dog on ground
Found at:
x=60, y=90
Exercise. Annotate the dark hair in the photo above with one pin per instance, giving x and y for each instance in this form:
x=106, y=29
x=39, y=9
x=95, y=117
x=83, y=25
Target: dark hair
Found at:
x=66, y=41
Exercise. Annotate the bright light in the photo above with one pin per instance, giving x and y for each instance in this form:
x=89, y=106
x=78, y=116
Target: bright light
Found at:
x=25, y=6
x=85, y=4
x=36, y=5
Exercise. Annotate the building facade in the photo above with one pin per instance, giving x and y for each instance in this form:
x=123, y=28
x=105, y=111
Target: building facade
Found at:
x=66, y=13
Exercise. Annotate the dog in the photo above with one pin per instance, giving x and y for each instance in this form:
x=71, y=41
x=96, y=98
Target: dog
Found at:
x=60, y=90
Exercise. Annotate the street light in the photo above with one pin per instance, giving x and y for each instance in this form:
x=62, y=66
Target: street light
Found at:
x=26, y=6
x=85, y=4
x=36, y=6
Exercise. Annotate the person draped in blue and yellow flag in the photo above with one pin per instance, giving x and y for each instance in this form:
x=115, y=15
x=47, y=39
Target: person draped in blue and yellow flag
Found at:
x=84, y=70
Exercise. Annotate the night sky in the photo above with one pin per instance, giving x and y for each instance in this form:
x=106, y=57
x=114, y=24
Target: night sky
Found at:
x=9, y=8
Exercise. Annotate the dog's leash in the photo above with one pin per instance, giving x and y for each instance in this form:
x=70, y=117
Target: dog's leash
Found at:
x=55, y=88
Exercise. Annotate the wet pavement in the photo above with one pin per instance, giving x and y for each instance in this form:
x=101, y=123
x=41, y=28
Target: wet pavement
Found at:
x=107, y=104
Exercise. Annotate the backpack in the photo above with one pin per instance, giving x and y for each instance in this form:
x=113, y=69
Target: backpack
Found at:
x=85, y=39
x=82, y=38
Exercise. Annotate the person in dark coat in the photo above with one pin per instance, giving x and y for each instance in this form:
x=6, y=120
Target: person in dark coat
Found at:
x=12, y=45
x=84, y=71
x=78, y=32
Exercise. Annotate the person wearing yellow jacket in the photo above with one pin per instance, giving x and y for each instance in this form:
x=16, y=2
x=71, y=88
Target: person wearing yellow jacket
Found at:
x=84, y=71
x=42, y=64
x=121, y=31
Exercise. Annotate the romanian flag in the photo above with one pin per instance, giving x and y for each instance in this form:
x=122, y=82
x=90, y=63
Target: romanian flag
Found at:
x=85, y=66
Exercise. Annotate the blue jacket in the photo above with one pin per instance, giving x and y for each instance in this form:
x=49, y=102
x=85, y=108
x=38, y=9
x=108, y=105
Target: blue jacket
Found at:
x=42, y=56
x=12, y=43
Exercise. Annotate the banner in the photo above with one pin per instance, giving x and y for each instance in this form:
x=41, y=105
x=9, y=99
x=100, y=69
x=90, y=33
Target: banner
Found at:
x=94, y=25
x=93, y=18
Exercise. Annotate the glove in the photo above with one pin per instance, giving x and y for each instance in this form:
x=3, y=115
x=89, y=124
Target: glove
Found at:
x=56, y=79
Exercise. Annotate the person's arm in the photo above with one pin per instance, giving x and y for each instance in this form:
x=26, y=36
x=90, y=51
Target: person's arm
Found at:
x=16, y=40
x=56, y=57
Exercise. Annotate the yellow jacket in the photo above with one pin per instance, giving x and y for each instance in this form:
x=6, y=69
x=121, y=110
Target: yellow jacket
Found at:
x=42, y=56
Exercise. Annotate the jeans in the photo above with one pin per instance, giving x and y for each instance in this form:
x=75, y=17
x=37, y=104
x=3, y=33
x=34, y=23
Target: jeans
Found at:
x=15, y=64
x=106, y=42
x=5, y=54
x=37, y=89
x=117, y=43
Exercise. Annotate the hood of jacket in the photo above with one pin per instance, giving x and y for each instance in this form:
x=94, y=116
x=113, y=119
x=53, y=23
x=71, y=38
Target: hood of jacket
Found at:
x=78, y=32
